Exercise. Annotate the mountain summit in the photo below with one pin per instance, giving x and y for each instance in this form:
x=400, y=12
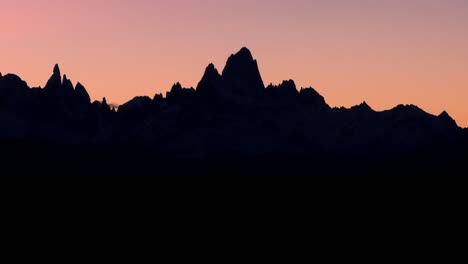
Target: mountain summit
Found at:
x=241, y=75
x=210, y=81
x=55, y=81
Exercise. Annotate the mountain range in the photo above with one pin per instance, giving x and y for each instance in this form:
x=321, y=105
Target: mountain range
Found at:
x=230, y=116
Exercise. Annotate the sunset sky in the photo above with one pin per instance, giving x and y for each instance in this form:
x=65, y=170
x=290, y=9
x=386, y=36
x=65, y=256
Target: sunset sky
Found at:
x=384, y=52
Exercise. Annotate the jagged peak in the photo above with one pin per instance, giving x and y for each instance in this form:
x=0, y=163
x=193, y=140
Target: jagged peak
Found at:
x=286, y=84
x=444, y=114
x=211, y=68
x=244, y=53
x=286, y=92
x=177, y=89
x=67, y=84
x=241, y=74
x=309, y=92
x=409, y=107
x=158, y=97
x=55, y=81
x=447, y=119
x=211, y=71
x=363, y=106
x=176, y=86
x=102, y=105
x=289, y=82
x=57, y=70
x=308, y=89
x=81, y=92
x=311, y=97
x=80, y=86
x=210, y=77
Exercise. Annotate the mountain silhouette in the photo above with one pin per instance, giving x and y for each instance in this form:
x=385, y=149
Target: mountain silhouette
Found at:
x=210, y=84
x=228, y=117
x=241, y=76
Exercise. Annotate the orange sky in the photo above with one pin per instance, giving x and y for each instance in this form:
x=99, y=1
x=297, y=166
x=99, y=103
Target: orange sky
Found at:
x=385, y=52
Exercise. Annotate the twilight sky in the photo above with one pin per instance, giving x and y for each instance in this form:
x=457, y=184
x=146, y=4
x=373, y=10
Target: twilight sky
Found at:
x=385, y=52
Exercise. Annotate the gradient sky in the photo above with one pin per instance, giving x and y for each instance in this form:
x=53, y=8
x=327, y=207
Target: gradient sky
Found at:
x=385, y=52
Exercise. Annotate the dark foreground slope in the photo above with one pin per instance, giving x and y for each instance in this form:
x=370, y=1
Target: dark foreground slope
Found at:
x=230, y=124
